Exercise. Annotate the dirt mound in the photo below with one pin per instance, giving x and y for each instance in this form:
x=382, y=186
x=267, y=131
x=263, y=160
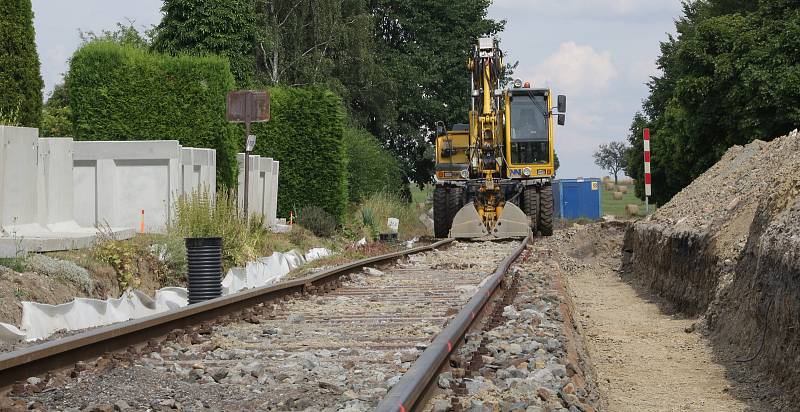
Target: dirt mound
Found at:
x=728, y=247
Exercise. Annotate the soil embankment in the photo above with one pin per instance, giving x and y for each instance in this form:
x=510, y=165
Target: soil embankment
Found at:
x=728, y=248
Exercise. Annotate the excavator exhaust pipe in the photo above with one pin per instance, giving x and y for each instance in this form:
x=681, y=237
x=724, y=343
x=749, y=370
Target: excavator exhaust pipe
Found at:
x=467, y=224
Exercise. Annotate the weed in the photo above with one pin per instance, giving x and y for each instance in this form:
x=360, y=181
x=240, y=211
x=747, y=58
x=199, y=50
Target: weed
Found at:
x=17, y=264
x=20, y=294
x=121, y=255
x=317, y=220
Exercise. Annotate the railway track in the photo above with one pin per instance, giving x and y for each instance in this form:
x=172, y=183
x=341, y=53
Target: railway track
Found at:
x=339, y=340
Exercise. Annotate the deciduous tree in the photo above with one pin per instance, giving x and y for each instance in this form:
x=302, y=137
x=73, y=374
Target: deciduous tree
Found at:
x=612, y=157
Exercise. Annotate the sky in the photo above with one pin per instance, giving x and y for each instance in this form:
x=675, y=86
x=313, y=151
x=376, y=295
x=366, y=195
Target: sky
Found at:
x=600, y=53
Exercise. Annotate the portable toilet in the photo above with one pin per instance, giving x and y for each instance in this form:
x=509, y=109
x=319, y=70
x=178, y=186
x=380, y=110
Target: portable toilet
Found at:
x=577, y=198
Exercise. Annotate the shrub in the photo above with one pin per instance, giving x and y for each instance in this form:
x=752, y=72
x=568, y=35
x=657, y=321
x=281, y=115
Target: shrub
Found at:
x=56, y=122
x=305, y=134
x=60, y=269
x=317, y=220
x=121, y=92
x=20, y=80
x=370, y=168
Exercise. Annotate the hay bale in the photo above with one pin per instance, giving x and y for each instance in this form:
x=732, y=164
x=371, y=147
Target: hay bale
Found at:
x=617, y=195
x=632, y=210
x=622, y=189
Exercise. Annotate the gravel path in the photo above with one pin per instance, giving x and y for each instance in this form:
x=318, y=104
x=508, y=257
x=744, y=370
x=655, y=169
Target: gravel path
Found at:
x=338, y=351
x=644, y=359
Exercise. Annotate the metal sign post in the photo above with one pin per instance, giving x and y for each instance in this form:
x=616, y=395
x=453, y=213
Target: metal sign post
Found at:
x=247, y=106
x=647, y=178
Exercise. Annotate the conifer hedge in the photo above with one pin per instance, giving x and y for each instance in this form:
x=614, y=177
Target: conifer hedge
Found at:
x=20, y=81
x=305, y=133
x=123, y=93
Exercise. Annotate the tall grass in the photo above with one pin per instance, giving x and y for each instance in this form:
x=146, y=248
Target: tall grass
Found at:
x=196, y=216
x=375, y=210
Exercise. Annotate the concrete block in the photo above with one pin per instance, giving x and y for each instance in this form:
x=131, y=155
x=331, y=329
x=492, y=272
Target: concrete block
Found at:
x=124, y=178
x=262, y=187
x=272, y=202
x=37, y=195
x=55, y=186
x=198, y=171
x=18, y=178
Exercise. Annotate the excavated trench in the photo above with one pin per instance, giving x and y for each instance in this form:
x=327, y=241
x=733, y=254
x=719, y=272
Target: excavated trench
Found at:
x=728, y=248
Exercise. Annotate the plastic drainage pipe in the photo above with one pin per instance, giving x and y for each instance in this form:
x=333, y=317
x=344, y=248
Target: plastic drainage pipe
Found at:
x=204, y=268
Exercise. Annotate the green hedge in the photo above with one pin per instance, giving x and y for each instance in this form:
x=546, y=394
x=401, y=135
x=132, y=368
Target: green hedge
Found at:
x=123, y=93
x=370, y=168
x=305, y=133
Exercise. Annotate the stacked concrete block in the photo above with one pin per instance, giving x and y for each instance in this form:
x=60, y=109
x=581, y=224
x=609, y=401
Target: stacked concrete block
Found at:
x=55, y=194
x=198, y=171
x=263, y=190
x=36, y=195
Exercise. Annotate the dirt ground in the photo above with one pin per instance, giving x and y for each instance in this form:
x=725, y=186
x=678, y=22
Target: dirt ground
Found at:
x=644, y=358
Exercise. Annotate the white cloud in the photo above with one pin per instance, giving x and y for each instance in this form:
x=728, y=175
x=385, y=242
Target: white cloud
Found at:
x=574, y=69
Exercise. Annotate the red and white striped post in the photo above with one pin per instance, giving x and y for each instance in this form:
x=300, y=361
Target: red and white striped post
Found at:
x=647, y=179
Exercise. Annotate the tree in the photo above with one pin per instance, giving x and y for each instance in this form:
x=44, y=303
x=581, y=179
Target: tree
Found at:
x=224, y=27
x=422, y=48
x=731, y=75
x=124, y=35
x=20, y=80
x=612, y=157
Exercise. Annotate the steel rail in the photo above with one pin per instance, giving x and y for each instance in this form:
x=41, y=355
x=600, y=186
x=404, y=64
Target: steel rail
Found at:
x=410, y=390
x=57, y=354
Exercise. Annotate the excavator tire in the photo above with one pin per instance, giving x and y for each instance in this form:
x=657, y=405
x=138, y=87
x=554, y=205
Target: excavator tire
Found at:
x=530, y=205
x=446, y=203
x=546, y=210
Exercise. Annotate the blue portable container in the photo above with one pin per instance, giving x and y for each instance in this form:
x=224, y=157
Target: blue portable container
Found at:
x=577, y=198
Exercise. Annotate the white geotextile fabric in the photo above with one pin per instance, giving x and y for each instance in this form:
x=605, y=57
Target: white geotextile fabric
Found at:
x=40, y=320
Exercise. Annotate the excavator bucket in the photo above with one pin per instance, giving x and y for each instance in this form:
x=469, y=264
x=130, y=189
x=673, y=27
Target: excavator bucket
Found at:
x=513, y=223
x=467, y=224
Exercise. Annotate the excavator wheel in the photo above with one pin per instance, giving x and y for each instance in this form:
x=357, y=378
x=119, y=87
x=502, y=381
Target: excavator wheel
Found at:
x=530, y=205
x=446, y=203
x=546, y=210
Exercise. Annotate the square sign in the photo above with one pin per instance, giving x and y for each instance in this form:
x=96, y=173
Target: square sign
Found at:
x=251, y=143
x=248, y=106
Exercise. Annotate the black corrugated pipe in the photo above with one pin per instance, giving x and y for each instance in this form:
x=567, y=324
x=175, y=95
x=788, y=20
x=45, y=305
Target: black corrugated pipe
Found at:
x=204, y=268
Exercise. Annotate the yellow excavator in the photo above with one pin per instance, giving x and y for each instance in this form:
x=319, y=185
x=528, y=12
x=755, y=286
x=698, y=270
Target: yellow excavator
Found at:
x=494, y=175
